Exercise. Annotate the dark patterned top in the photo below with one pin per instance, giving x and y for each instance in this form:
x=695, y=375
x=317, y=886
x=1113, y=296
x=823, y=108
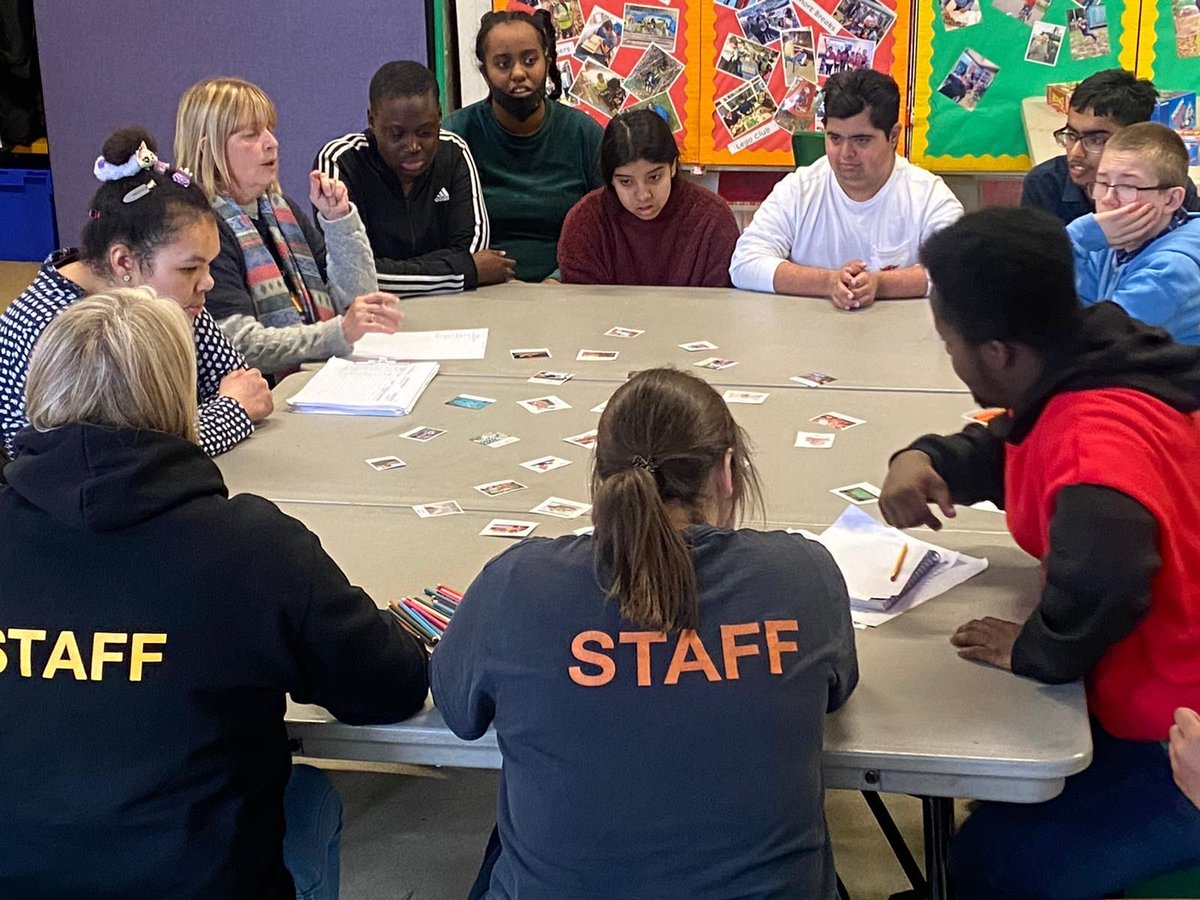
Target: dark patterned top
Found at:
x=223, y=421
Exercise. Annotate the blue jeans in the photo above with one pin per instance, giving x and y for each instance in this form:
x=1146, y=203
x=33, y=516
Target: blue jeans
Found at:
x=312, y=810
x=1117, y=823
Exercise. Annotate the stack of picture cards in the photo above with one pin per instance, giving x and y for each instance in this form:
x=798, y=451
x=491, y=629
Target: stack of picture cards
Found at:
x=364, y=388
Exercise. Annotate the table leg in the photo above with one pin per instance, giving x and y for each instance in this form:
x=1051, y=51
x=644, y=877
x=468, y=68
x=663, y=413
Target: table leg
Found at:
x=938, y=815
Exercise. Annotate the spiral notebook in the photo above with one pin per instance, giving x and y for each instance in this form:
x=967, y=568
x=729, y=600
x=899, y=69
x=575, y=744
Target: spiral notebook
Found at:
x=867, y=551
x=342, y=387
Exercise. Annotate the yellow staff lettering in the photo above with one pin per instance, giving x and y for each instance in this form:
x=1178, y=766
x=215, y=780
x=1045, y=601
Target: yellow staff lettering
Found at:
x=731, y=649
x=26, y=637
x=101, y=655
x=607, y=667
x=66, y=655
x=3, y=655
x=689, y=640
x=643, y=639
x=139, y=655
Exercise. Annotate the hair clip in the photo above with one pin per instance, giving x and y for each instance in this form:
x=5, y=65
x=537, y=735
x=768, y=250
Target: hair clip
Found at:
x=142, y=158
x=138, y=192
x=93, y=213
x=642, y=462
x=181, y=178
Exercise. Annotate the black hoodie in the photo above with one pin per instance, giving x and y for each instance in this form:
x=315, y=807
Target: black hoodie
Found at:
x=1093, y=528
x=149, y=629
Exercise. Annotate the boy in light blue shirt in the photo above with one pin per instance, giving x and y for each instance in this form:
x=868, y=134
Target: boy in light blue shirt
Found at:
x=1140, y=249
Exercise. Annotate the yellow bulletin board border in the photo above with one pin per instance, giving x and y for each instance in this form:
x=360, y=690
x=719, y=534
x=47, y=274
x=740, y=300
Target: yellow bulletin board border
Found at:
x=1137, y=38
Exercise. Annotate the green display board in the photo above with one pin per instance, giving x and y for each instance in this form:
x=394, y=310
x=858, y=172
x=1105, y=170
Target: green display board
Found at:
x=971, y=79
x=1171, y=38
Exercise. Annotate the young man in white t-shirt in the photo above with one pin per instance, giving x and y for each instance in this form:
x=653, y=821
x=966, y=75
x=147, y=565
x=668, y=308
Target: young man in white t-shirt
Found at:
x=848, y=227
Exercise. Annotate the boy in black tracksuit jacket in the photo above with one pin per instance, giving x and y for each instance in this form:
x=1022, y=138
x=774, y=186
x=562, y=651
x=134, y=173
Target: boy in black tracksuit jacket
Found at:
x=423, y=242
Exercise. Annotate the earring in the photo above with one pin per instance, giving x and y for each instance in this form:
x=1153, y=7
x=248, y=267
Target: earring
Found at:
x=127, y=278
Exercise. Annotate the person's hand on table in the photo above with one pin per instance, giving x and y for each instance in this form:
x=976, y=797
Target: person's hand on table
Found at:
x=328, y=195
x=988, y=640
x=1128, y=227
x=911, y=484
x=551, y=281
x=375, y=312
x=855, y=286
x=250, y=389
x=493, y=266
x=1184, y=750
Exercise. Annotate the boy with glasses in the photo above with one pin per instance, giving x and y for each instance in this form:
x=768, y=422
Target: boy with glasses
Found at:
x=1101, y=105
x=1140, y=249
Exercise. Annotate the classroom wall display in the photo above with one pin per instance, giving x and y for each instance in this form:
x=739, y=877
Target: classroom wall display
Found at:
x=1170, y=44
x=765, y=62
x=616, y=56
x=978, y=59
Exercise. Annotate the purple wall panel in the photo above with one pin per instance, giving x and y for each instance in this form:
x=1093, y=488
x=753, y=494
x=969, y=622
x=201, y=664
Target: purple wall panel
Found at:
x=121, y=62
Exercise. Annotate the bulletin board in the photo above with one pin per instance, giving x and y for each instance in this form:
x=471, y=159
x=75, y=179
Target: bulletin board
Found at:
x=977, y=63
x=736, y=79
x=1169, y=50
x=765, y=62
x=616, y=56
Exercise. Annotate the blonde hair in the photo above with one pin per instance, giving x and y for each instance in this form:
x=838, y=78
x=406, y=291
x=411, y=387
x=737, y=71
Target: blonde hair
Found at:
x=122, y=359
x=210, y=112
x=1159, y=146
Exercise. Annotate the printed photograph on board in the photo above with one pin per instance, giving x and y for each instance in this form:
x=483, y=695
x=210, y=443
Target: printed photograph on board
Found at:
x=864, y=18
x=745, y=59
x=842, y=54
x=796, y=110
x=799, y=57
x=600, y=38
x=969, y=80
x=656, y=71
x=600, y=88
x=1087, y=32
x=646, y=25
x=745, y=108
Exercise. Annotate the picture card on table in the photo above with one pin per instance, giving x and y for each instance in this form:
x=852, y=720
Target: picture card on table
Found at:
x=563, y=509
x=386, y=463
x=422, y=433
x=545, y=463
x=440, y=508
x=496, y=488
x=510, y=528
x=859, y=494
x=470, y=401
x=549, y=403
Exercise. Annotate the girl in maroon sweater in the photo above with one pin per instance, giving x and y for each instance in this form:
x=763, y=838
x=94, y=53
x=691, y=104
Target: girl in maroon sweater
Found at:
x=646, y=225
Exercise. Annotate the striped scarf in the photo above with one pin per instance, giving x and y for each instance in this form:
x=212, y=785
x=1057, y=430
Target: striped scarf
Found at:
x=297, y=294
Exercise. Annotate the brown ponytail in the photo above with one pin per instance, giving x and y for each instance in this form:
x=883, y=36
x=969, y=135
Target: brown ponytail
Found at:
x=661, y=436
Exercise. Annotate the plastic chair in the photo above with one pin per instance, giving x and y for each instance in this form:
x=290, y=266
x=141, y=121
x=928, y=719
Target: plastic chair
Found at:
x=1184, y=883
x=807, y=147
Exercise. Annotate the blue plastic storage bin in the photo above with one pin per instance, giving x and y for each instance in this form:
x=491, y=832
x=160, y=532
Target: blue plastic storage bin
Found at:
x=27, y=230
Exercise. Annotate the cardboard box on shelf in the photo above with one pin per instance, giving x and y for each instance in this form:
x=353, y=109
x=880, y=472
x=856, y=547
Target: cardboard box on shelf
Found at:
x=1058, y=95
x=1176, y=110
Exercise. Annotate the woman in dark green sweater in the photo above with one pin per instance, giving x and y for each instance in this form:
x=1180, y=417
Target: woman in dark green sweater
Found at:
x=536, y=157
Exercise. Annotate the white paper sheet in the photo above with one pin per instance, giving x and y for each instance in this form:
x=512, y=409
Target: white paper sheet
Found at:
x=463, y=343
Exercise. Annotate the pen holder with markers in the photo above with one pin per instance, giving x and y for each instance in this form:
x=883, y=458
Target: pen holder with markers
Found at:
x=427, y=617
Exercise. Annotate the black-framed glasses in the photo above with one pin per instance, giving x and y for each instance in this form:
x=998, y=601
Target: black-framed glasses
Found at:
x=1126, y=193
x=1093, y=141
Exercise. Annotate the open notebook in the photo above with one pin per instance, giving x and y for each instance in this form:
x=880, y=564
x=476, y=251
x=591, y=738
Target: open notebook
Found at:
x=866, y=551
x=364, y=388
